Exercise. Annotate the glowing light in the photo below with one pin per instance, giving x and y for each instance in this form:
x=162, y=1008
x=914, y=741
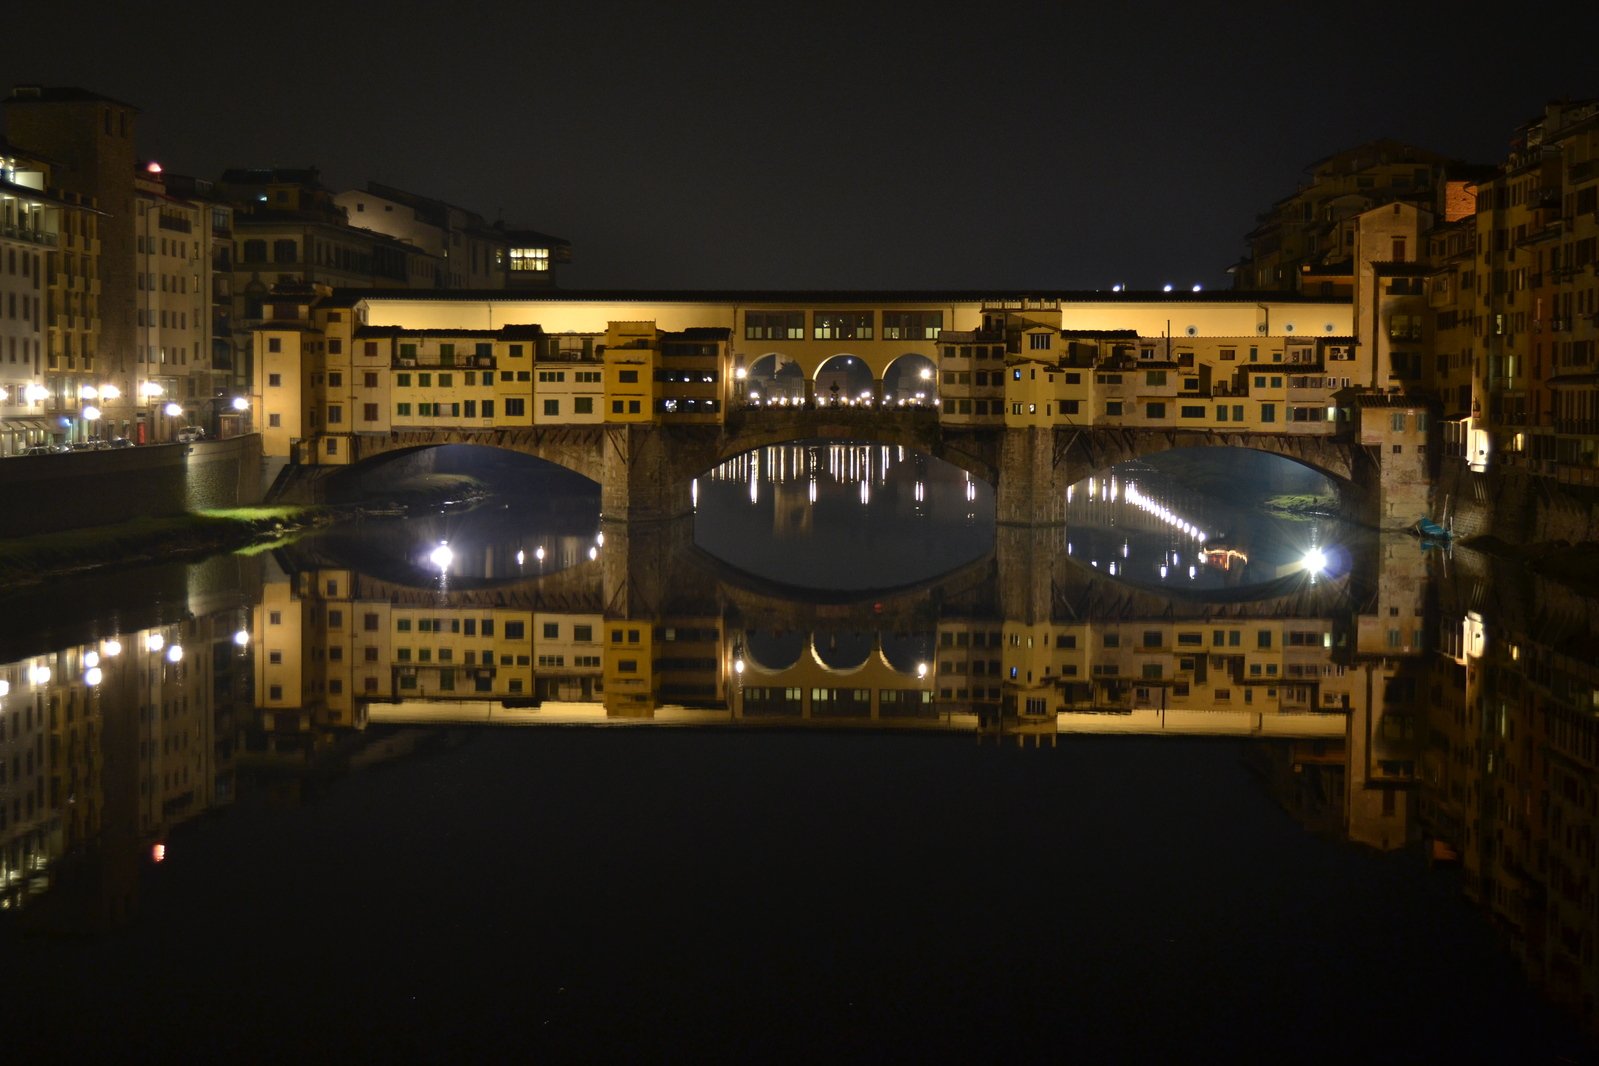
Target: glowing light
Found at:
x=1116, y=287
x=91, y=658
x=158, y=853
x=921, y=669
x=38, y=675
x=442, y=556
x=153, y=167
x=91, y=413
x=242, y=638
x=155, y=642
x=110, y=392
x=1198, y=287
x=92, y=676
x=1166, y=287
x=175, y=653
x=521, y=557
x=87, y=392
x=35, y=393
x=240, y=403
x=594, y=553
x=538, y=553
x=151, y=389
x=112, y=648
x=599, y=538
x=740, y=374
x=1315, y=560
x=738, y=666
x=172, y=410
x=926, y=374
x=5, y=687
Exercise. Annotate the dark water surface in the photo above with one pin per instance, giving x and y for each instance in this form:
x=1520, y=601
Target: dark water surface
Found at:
x=196, y=865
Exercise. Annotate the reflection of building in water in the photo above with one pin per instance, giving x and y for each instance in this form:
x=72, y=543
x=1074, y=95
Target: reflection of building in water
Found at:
x=1512, y=771
x=104, y=747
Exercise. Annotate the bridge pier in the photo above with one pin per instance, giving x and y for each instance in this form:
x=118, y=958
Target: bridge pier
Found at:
x=646, y=472
x=1031, y=489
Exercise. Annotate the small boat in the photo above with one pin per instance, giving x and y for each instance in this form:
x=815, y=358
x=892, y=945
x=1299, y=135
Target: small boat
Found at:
x=1431, y=530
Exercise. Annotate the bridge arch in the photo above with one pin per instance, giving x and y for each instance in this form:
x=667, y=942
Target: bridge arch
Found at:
x=910, y=377
x=844, y=652
x=575, y=448
x=775, y=377
x=1091, y=453
x=844, y=378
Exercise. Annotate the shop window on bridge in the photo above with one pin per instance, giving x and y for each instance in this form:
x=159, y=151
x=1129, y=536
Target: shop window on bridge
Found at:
x=335, y=414
x=515, y=408
x=1154, y=377
x=774, y=325
x=1154, y=410
x=332, y=446
x=912, y=325
x=1268, y=412
x=842, y=325
x=1113, y=407
x=1192, y=411
x=552, y=408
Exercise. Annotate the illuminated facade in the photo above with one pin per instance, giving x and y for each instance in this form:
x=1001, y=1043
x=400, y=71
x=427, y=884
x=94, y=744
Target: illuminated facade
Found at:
x=330, y=370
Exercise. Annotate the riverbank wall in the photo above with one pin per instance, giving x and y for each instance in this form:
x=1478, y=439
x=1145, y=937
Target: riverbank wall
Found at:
x=1515, y=507
x=55, y=493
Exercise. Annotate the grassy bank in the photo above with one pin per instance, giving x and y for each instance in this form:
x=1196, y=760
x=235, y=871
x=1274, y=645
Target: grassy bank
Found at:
x=26, y=560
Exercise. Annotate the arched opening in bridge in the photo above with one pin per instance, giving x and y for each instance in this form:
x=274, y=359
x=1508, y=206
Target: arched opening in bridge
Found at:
x=843, y=652
x=466, y=514
x=844, y=379
x=774, y=379
x=910, y=379
x=773, y=651
x=843, y=515
x=1209, y=519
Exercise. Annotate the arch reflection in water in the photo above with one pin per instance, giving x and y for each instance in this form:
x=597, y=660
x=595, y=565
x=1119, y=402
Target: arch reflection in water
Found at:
x=842, y=515
x=1361, y=692
x=1144, y=525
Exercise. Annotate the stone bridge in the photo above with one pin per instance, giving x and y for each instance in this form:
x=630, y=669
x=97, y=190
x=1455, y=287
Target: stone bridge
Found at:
x=645, y=471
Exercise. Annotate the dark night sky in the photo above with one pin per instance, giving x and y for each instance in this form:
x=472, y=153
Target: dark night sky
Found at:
x=695, y=145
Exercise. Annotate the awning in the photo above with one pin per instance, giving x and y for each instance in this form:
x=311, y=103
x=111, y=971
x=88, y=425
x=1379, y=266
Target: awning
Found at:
x=25, y=425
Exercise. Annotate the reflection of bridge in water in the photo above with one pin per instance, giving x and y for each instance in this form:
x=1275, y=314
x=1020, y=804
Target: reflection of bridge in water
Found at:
x=655, y=630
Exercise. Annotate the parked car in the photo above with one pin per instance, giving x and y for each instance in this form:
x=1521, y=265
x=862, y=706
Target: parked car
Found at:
x=119, y=442
x=47, y=449
x=190, y=434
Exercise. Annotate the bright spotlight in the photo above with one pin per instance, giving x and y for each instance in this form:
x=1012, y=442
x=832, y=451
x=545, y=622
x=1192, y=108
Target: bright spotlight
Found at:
x=242, y=637
x=442, y=555
x=1315, y=561
x=175, y=653
x=93, y=676
x=155, y=642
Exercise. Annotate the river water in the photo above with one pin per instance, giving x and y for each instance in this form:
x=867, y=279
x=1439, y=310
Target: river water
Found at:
x=838, y=767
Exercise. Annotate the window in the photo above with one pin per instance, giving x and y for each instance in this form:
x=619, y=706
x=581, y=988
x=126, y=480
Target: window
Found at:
x=1397, y=421
x=627, y=377
x=1192, y=411
x=514, y=630
x=1154, y=410
x=530, y=259
x=1268, y=412
x=842, y=325
x=632, y=407
x=774, y=325
x=1038, y=342
x=1113, y=407
x=583, y=405
x=552, y=408
x=274, y=344
x=515, y=407
x=274, y=381
x=582, y=634
x=1155, y=377
x=912, y=325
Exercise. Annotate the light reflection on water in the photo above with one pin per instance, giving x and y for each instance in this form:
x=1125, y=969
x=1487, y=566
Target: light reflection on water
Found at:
x=1370, y=669
x=834, y=515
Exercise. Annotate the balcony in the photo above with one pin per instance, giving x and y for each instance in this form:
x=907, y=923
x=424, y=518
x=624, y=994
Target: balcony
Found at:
x=29, y=234
x=175, y=223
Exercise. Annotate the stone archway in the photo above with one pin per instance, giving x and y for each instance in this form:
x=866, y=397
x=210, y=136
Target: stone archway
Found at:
x=844, y=380
x=910, y=380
